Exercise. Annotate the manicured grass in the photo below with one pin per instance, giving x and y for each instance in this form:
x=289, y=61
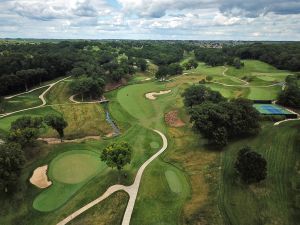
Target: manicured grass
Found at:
x=258, y=69
x=229, y=92
x=271, y=201
x=69, y=172
x=6, y=121
x=261, y=93
x=75, y=167
x=175, y=184
x=23, y=101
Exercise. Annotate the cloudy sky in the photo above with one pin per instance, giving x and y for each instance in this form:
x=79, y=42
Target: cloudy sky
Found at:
x=151, y=19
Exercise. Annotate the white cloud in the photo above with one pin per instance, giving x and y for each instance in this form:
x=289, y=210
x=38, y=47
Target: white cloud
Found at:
x=146, y=19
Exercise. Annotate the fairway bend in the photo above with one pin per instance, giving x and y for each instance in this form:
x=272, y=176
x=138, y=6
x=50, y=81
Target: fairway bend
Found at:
x=132, y=190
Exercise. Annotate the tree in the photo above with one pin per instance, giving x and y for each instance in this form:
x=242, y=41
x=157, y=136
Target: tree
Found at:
x=290, y=96
x=24, y=137
x=117, y=155
x=162, y=73
x=88, y=86
x=12, y=160
x=190, y=64
x=225, y=120
x=198, y=94
x=251, y=166
x=27, y=122
x=57, y=123
x=142, y=64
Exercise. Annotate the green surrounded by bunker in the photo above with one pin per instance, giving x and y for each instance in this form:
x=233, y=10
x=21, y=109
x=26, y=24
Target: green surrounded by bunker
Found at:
x=69, y=171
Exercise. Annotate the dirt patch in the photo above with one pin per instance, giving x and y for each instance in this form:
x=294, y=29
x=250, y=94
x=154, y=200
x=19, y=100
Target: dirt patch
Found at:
x=57, y=140
x=113, y=86
x=152, y=95
x=39, y=177
x=173, y=120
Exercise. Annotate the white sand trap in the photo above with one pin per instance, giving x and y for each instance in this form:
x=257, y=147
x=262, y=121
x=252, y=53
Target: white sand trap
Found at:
x=152, y=95
x=39, y=177
x=147, y=79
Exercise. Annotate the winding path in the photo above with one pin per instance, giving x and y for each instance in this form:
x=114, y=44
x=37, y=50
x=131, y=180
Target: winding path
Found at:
x=225, y=70
x=42, y=97
x=132, y=190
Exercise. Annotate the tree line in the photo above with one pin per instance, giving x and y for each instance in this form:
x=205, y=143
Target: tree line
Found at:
x=284, y=56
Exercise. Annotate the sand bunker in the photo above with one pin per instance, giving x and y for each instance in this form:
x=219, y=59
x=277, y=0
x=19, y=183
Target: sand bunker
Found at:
x=53, y=141
x=152, y=95
x=39, y=177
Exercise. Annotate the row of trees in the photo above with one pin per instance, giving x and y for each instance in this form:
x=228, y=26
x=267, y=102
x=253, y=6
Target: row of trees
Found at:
x=22, y=136
x=281, y=55
x=27, y=65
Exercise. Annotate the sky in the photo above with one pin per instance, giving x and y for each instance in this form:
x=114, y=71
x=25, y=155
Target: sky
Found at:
x=151, y=19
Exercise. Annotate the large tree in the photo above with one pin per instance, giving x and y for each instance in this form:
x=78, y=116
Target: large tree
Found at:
x=226, y=120
x=117, y=155
x=290, y=96
x=57, y=123
x=12, y=160
x=88, y=86
x=27, y=122
x=251, y=166
x=198, y=94
x=24, y=137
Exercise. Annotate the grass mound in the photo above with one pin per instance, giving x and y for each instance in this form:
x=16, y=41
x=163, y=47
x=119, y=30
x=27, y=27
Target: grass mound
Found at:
x=173, y=181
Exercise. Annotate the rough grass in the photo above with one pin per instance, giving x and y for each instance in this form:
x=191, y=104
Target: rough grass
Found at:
x=59, y=94
x=83, y=120
x=271, y=201
x=106, y=212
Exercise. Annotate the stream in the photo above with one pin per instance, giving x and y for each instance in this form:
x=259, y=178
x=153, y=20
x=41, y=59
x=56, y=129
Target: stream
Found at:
x=110, y=120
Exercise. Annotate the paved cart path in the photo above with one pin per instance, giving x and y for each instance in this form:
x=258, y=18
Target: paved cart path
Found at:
x=132, y=190
x=42, y=97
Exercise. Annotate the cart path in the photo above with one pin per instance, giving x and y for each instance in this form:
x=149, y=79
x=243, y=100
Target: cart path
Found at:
x=132, y=190
x=225, y=70
x=42, y=97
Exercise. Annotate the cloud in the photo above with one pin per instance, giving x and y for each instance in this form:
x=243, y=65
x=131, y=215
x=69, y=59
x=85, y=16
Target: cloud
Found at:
x=159, y=8
x=151, y=19
x=60, y=9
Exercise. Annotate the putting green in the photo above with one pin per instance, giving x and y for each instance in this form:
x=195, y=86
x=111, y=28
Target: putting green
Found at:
x=173, y=181
x=68, y=172
x=74, y=167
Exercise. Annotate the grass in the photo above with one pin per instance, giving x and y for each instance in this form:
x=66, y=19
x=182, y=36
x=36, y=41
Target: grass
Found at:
x=68, y=172
x=6, y=121
x=27, y=100
x=59, y=94
x=269, y=93
x=106, y=212
x=83, y=120
x=260, y=72
x=270, y=202
x=191, y=182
